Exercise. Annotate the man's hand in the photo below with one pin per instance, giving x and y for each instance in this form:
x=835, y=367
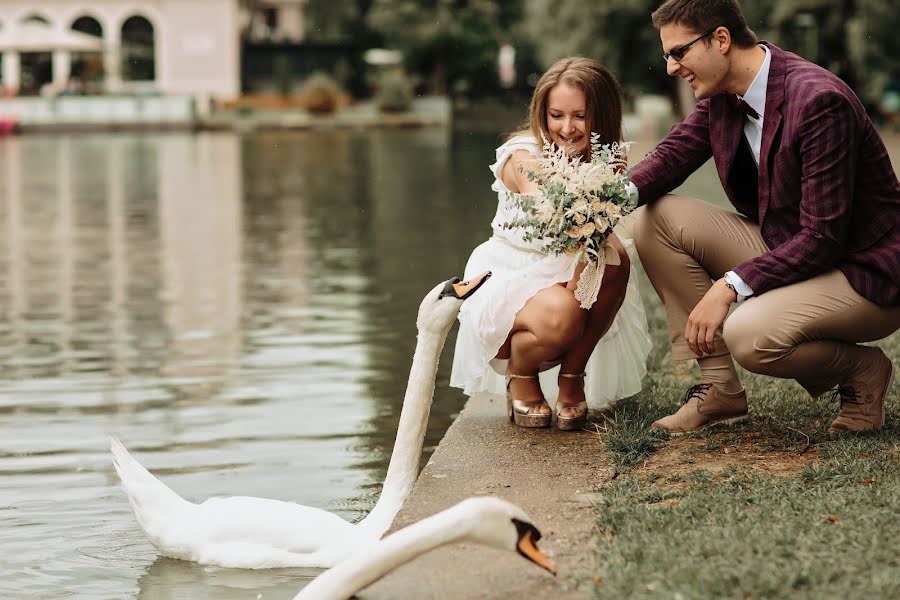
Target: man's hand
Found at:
x=707, y=317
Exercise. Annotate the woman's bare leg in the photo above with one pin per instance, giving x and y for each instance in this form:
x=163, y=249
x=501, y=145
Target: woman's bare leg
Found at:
x=552, y=324
x=547, y=325
x=599, y=319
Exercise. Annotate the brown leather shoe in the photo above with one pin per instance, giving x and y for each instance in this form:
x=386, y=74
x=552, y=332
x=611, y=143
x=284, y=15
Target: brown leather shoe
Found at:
x=705, y=405
x=862, y=397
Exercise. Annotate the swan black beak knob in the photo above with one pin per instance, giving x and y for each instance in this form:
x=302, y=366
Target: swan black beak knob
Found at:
x=463, y=289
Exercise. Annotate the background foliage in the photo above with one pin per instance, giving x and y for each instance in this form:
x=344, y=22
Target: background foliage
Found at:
x=448, y=41
x=451, y=45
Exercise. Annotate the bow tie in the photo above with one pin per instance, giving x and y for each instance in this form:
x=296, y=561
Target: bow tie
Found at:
x=745, y=108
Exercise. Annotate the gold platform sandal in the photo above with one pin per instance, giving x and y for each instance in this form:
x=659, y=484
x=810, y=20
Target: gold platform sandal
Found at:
x=519, y=410
x=577, y=413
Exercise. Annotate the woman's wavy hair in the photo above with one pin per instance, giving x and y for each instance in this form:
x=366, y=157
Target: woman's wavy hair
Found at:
x=602, y=98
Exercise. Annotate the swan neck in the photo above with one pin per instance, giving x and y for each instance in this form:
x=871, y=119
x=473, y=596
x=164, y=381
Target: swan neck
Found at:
x=403, y=468
x=374, y=561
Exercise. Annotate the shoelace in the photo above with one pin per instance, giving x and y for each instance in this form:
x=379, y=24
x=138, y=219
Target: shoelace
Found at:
x=696, y=391
x=847, y=394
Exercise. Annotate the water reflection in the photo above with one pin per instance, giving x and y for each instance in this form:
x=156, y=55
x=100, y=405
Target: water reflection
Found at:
x=165, y=579
x=239, y=310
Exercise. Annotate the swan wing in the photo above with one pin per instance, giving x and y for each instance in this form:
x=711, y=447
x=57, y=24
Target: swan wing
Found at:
x=238, y=531
x=250, y=555
x=286, y=526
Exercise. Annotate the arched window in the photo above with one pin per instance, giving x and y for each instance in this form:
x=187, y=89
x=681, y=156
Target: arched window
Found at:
x=87, y=72
x=88, y=25
x=35, y=18
x=36, y=68
x=138, y=50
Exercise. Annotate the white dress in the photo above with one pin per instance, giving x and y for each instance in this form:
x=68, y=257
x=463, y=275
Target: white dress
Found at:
x=520, y=270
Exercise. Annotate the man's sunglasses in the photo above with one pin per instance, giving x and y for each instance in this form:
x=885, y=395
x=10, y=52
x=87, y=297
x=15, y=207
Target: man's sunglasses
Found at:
x=679, y=52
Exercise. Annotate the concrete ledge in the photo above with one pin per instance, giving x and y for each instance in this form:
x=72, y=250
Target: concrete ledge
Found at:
x=552, y=474
x=73, y=113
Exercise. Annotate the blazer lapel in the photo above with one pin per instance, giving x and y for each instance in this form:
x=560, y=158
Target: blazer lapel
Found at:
x=771, y=124
x=726, y=140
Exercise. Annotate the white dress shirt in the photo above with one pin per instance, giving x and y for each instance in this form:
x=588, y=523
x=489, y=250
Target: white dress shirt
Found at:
x=756, y=98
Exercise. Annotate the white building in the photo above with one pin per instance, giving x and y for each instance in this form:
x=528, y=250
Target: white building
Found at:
x=170, y=47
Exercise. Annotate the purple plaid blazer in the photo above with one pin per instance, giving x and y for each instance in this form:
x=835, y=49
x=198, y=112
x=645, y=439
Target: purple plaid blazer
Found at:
x=827, y=196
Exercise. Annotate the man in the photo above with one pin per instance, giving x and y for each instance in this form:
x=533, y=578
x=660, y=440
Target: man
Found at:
x=812, y=258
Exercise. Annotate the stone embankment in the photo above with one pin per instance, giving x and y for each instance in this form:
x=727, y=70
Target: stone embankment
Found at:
x=552, y=474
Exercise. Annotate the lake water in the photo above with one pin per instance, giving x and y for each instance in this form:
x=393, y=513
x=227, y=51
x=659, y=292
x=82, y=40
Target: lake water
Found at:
x=239, y=310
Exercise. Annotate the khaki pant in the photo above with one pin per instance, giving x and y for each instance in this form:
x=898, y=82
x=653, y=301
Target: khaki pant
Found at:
x=806, y=331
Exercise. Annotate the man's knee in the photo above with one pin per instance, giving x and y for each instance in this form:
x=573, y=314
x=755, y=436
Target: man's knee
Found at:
x=644, y=228
x=753, y=343
x=654, y=220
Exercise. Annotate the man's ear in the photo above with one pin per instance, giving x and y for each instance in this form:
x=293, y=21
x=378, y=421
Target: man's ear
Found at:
x=721, y=40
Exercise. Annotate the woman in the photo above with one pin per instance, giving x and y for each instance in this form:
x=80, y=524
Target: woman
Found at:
x=526, y=319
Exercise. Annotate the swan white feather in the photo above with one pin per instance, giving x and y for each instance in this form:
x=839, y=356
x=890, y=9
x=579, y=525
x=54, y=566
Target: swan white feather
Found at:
x=258, y=533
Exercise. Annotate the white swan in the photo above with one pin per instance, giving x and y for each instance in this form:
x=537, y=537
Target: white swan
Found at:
x=484, y=520
x=256, y=533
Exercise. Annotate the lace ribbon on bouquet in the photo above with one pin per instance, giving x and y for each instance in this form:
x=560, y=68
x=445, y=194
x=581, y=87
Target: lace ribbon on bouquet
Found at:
x=592, y=276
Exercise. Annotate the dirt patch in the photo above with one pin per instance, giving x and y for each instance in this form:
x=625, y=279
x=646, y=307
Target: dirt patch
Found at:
x=767, y=454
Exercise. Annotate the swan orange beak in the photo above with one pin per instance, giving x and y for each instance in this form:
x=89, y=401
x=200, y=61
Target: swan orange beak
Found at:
x=527, y=547
x=463, y=289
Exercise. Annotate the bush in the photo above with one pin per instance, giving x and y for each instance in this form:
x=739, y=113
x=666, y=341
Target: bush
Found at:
x=394, y=92
x=321, y=93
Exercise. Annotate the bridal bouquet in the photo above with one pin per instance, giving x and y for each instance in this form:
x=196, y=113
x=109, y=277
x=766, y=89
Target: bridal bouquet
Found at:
x=576, y=206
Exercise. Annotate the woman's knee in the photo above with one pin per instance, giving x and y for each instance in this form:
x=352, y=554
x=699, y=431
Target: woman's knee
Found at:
x=561, y=319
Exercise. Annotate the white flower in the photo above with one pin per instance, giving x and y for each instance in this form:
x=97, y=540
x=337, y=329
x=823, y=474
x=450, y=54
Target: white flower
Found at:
x=546, y=211
x=587, y=230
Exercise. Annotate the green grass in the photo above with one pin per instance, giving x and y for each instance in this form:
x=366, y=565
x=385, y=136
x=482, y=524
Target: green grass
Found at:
x=772, y=508
x=827, y=532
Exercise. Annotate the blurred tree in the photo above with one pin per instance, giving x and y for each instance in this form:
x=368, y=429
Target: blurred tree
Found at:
x=453, y=43
x=344, y=23
x=450, y=41
x=618, y=33
x=330, y=21
x=877, y=43
x=848, y=37
x=758, y=14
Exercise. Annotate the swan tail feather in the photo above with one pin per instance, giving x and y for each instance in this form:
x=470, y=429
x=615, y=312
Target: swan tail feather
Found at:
x=151, y=500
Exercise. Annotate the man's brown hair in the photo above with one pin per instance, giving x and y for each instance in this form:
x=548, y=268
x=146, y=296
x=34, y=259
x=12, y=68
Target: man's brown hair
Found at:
x=703, y=15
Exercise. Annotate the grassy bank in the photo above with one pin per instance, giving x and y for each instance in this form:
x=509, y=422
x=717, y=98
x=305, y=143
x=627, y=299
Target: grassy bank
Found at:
x=773, y=507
